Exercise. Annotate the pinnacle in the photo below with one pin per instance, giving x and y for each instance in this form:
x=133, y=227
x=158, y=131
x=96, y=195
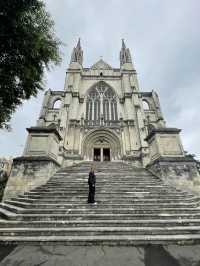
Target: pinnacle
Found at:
x=123, y=44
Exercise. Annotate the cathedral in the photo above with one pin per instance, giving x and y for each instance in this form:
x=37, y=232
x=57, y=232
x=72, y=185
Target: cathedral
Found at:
x=101, y=115
x=145, y=181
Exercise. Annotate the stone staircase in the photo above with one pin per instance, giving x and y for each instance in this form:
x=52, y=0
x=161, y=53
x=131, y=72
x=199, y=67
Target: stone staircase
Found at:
x=133, y=207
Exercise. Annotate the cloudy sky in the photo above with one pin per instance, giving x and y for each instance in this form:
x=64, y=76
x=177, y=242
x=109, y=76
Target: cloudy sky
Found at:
x=164, y=39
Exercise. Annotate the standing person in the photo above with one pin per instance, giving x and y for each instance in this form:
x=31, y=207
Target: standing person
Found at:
x=91, y=183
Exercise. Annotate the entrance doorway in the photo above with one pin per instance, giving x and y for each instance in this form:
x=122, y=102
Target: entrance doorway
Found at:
x=106, y=154
x=101, y=154
x=97, y=154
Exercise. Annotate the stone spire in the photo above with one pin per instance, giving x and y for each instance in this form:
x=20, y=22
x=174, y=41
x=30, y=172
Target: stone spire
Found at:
x=77, y=54
x=125, y=55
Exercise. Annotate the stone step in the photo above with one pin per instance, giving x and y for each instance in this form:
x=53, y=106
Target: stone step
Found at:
x=106, y=184
x=102, y=175
x=109, y=171
x=113, y=205
x=103, y=181
x=81, y=199
x=103, y=168
x=79, y=186
x=107, y=175
x=85, y=186
x=75, y=205
x=99, y=231
x=98, y=188
x=102, y=195
x=136, y=209
x=107, y=223
x=123, y=185
x=99, y=216
x=153, y=211
x=100, y=192
x=111, y=240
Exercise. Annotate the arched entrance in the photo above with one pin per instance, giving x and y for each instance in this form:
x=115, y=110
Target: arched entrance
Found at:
x=101, y=145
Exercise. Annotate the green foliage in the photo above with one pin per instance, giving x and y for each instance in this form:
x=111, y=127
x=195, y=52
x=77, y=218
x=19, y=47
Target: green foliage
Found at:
x=27, y=46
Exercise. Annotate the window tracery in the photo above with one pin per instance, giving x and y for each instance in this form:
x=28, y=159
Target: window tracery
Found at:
x=101, y=103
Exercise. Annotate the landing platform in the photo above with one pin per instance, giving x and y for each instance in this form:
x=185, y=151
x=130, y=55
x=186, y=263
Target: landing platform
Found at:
x=61, y=255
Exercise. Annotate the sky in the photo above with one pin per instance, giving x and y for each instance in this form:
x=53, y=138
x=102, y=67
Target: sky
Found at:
x=164, y=40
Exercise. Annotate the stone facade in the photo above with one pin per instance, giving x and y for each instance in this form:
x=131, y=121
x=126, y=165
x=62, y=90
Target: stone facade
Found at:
x=101, y=115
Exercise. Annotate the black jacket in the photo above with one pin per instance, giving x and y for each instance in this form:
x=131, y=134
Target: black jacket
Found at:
x=91, y=179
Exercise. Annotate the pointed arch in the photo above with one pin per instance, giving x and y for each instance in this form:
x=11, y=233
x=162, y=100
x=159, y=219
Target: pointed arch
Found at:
x=146, y=105
x=101, y=135
x=101, y=103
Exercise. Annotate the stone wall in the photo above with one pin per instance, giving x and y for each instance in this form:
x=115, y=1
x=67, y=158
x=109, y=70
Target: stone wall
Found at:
x=5, y=169
x=28, y=173
x=181, y=173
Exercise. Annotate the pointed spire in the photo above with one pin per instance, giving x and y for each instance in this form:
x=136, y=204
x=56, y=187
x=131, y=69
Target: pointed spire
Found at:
x=125, y=55
x=79, y=43
x=77, y=53
x=123, y=44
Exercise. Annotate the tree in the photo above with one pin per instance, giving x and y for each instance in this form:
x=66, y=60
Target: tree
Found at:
x=28, y=45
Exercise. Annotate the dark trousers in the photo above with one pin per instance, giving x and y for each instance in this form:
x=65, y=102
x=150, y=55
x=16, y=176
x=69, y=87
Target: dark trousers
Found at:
x=91, y=194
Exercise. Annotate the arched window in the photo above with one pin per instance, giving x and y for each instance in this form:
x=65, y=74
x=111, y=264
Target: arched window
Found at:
x=145, y=105
x=57, y=104
x=101, y=103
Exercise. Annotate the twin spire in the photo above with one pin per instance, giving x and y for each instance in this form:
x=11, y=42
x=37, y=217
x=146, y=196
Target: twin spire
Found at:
x=77, y=54
x=125, y=55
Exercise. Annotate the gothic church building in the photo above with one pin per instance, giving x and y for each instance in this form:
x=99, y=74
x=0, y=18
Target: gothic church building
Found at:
x=101, y=115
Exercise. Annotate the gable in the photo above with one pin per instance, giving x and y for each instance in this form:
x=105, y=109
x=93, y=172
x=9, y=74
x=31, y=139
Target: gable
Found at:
x=101, y=65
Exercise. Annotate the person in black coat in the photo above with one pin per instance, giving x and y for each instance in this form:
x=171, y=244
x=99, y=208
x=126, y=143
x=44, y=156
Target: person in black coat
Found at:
x=91, y=183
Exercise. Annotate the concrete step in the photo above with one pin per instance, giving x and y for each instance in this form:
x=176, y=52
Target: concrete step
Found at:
x=114, y=195
x=82, y=199
x=99, y=216
x=100, y=193
x=110, y=240
x=152, y=211
x=105, y=205
x=88, y=209
x=107, y=223
x=108, y=185
x=99, y=231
